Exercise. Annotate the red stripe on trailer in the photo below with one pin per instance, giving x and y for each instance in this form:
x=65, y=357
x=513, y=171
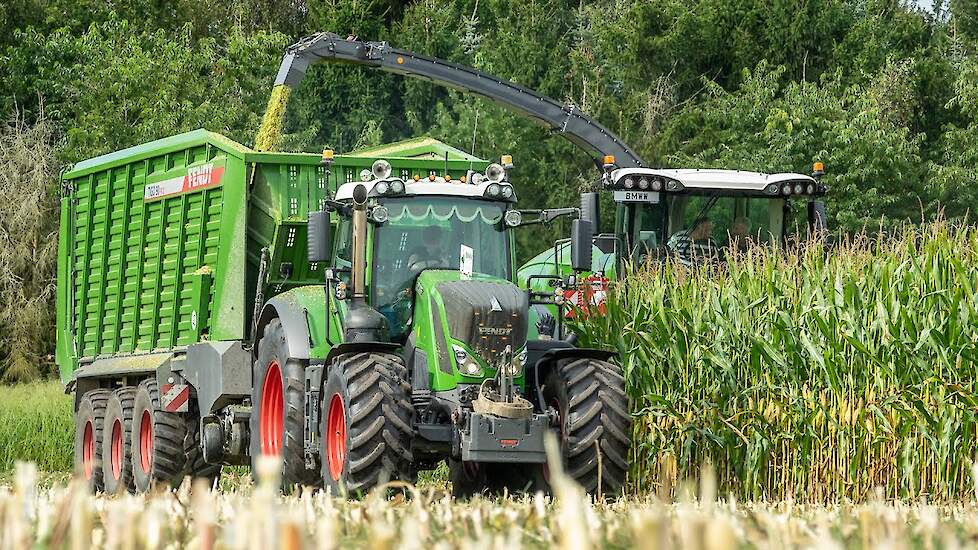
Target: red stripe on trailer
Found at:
x=198, y=177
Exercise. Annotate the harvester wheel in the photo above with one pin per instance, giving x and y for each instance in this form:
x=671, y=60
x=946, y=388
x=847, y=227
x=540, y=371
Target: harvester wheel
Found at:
x=158, y=439
x=278, y=409
x=366, y=426
x=117, y=442
x=595, y=425
x=89, y=420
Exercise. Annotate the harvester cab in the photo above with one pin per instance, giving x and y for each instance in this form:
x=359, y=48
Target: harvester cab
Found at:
x=707, y=215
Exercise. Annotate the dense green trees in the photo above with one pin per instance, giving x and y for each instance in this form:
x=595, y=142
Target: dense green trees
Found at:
x=882, y=92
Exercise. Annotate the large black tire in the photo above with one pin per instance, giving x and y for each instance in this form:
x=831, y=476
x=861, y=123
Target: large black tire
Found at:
x=89, y=421
x=278, y=409
x=366, y=423
x=158, y=455
x=117, y=442
x=595, y=425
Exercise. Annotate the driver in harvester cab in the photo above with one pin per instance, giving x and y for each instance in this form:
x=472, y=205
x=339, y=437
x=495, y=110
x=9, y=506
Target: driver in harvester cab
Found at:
x=697, y=241
x=739, y=234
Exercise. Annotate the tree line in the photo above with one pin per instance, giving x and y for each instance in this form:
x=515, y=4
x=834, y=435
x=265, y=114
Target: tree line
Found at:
x=882, y=92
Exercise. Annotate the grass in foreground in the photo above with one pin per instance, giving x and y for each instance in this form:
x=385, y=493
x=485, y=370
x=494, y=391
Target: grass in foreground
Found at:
x=36, y=425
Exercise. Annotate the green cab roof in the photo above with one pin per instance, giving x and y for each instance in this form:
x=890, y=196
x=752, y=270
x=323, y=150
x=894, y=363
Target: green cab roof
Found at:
x=420, y=149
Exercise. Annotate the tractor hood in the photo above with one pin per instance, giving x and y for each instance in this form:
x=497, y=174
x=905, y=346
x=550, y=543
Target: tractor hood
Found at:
x=487, y=315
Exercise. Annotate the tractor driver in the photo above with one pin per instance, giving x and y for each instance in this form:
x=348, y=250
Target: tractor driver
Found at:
x=431, y=253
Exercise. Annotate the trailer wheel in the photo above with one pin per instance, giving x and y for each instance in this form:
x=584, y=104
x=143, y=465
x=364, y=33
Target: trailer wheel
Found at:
x=278, y=409
x=158, y=457
x=595, y=425
x=366, y=426
x=89, y=421
x=117, y=442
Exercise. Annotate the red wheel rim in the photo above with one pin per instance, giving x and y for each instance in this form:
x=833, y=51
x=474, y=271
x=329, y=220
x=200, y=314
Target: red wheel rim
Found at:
x=271, y=413
x=145, y=441
x=336, y=436
x=116, y=449
x=88, y=450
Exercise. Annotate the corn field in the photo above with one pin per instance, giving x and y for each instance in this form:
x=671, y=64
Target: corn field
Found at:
x=807, y=374
x=427, y=517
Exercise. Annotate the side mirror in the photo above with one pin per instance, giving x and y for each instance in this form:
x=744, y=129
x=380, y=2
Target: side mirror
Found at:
x=318, y=237
x=589, y=209
x=582, y=232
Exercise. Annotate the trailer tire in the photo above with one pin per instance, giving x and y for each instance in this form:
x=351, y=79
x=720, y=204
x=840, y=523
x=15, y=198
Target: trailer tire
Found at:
x=158, y=455
x=89, y=421
x=366, y=423
x=595, y=425
x=278, y=409
x=117, y=442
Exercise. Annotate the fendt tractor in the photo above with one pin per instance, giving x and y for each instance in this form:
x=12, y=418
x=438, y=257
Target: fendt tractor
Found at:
x=354, y=315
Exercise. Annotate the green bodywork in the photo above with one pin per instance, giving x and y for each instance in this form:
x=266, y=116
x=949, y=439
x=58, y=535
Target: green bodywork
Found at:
x=161, y=245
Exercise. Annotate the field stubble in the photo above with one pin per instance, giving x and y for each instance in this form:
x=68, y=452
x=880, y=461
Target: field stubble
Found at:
x=427, y=517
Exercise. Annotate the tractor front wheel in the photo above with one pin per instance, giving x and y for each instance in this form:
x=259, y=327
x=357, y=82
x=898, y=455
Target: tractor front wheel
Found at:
x=595, y=425
x=365, y=424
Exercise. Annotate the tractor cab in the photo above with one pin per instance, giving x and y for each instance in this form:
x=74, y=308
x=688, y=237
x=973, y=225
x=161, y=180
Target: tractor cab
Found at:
x=701, y=215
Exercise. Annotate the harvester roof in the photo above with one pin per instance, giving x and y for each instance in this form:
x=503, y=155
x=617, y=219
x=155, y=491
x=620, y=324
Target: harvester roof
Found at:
x=711, y=180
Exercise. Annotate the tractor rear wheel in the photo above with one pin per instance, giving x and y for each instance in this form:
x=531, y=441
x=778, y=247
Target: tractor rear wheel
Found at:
x=117, y=442
x=278, y=409
x=89, y=421
x=366, y=423
x=595, y=425
x=157, y=440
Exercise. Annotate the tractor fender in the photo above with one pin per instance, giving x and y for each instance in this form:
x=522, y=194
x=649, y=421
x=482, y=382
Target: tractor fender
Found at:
x=292, y=314
x=359, y=347
x=543, y=356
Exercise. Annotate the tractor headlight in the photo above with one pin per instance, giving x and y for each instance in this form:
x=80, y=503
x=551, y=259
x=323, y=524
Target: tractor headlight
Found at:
x=772, y=189
x=382, y=188
x=366, y=175
x=629, y=183
x=461, y=356
x=380, y=214
x=513, y=218
x=657, y=184
x=506, y=191
x=493, y=190
x=643, y=183
x=397, y=187
x=798, y=189
x=786, y=190
x=810, y=189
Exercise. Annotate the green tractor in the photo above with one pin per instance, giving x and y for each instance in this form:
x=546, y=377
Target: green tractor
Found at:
x=426, y=350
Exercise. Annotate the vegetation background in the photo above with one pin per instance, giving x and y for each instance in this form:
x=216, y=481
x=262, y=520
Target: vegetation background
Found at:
x=881, y=91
